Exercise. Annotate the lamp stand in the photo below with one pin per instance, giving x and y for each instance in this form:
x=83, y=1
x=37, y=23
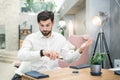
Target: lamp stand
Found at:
x=101, y=37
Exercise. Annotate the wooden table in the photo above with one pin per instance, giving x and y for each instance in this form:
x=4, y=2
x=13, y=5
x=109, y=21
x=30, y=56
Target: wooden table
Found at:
x=84, y=74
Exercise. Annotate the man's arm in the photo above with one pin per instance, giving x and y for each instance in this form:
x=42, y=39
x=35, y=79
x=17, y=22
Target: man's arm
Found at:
x=88, y=42
x=70, y=57
x=26, y=53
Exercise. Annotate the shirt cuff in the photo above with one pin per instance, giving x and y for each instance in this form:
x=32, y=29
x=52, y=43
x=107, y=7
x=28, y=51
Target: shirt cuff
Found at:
x=78, y=52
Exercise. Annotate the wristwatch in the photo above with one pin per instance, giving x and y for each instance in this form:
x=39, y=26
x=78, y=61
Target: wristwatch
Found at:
x=41, y=53
x=80, y=51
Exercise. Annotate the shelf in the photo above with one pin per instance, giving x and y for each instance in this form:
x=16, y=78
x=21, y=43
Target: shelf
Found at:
x=23, y=32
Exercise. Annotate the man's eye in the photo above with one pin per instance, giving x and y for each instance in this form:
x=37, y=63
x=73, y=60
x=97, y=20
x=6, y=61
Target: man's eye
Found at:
x=48, y=25
x=42, y=25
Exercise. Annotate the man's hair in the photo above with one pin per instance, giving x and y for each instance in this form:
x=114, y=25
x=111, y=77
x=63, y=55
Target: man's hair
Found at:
x=45, y=15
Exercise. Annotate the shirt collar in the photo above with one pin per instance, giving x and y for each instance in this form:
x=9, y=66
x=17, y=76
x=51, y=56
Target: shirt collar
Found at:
x=42, y=36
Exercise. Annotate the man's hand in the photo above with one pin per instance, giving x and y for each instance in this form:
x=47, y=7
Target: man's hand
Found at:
x=85, y=44
x=51, y=54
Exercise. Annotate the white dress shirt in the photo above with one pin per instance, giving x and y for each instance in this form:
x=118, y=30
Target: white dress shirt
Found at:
x=33, y=43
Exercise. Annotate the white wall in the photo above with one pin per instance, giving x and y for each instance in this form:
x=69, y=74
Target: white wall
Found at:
x=80, y=27
x=31, y=20
x=75, y=23
x=2, y=29
x=70, y=23
x=9, y=17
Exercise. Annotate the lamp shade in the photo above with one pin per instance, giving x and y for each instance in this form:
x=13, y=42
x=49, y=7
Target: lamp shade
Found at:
x=99, y=19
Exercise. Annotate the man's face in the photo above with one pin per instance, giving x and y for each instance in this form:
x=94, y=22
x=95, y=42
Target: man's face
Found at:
x=46, y=27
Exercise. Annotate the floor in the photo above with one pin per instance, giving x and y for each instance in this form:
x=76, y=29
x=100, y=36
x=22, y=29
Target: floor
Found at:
x=6, y=71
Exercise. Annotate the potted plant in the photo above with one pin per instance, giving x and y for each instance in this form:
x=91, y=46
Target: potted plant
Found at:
x=96, y=62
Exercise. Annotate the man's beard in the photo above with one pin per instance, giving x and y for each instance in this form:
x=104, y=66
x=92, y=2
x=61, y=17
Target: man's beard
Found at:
x=46, y=33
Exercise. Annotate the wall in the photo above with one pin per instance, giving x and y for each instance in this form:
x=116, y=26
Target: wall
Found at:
x=115, y=29
x=9, y=17
x=73, y=12
x=2, y=37
x=31, y=19
x=70, y=23
x=80, y=27
x=2, y=29
x=75, y=23
x=66, y=6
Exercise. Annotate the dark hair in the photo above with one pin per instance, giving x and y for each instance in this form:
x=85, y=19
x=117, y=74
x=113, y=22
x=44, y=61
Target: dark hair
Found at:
x=45, y=15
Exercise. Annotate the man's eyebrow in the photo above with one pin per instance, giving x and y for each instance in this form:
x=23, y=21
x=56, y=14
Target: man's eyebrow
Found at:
x=41, y=24
x=48, y=24
x=44, y=25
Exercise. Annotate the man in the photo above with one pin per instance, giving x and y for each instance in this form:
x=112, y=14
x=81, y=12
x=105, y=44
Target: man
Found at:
x=44, y=48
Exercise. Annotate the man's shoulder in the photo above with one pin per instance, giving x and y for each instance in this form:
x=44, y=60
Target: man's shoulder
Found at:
x=58, y=34
x=59, y=37
x=34, y=34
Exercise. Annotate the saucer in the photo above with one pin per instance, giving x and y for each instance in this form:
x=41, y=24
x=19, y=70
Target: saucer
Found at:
x=96, y=74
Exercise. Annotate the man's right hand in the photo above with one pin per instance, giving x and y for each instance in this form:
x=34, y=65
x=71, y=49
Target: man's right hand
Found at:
x=51, y=54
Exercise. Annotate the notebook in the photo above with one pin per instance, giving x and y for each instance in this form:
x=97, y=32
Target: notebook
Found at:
x=117, y=72
x=36, y=74
x=80, y=66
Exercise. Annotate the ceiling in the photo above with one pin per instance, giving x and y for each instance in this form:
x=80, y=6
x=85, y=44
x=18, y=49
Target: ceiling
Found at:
x=77, y=7
x=58, y=4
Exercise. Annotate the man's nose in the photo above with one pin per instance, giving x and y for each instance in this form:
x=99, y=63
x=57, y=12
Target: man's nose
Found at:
x=45, y=28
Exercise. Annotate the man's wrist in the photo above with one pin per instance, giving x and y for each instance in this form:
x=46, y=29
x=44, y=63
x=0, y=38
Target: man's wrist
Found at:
x=41, y=53
x=80, y=51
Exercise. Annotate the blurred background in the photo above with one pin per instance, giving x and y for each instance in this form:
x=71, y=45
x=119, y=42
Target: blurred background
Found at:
x=72, y=17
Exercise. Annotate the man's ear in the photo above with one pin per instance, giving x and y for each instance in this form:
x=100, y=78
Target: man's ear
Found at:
x=53, y=23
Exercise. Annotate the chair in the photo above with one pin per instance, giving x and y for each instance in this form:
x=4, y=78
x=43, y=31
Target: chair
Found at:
x=76, y=40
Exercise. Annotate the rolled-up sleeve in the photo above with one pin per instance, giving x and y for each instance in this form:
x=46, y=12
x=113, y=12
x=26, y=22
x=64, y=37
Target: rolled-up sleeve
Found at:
x=25, y=53
x=67, y=55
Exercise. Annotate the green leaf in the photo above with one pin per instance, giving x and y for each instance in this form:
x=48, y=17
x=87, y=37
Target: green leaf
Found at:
x=31, y=5
x=98, y=58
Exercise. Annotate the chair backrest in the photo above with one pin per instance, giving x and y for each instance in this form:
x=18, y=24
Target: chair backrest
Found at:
x=76, y=40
